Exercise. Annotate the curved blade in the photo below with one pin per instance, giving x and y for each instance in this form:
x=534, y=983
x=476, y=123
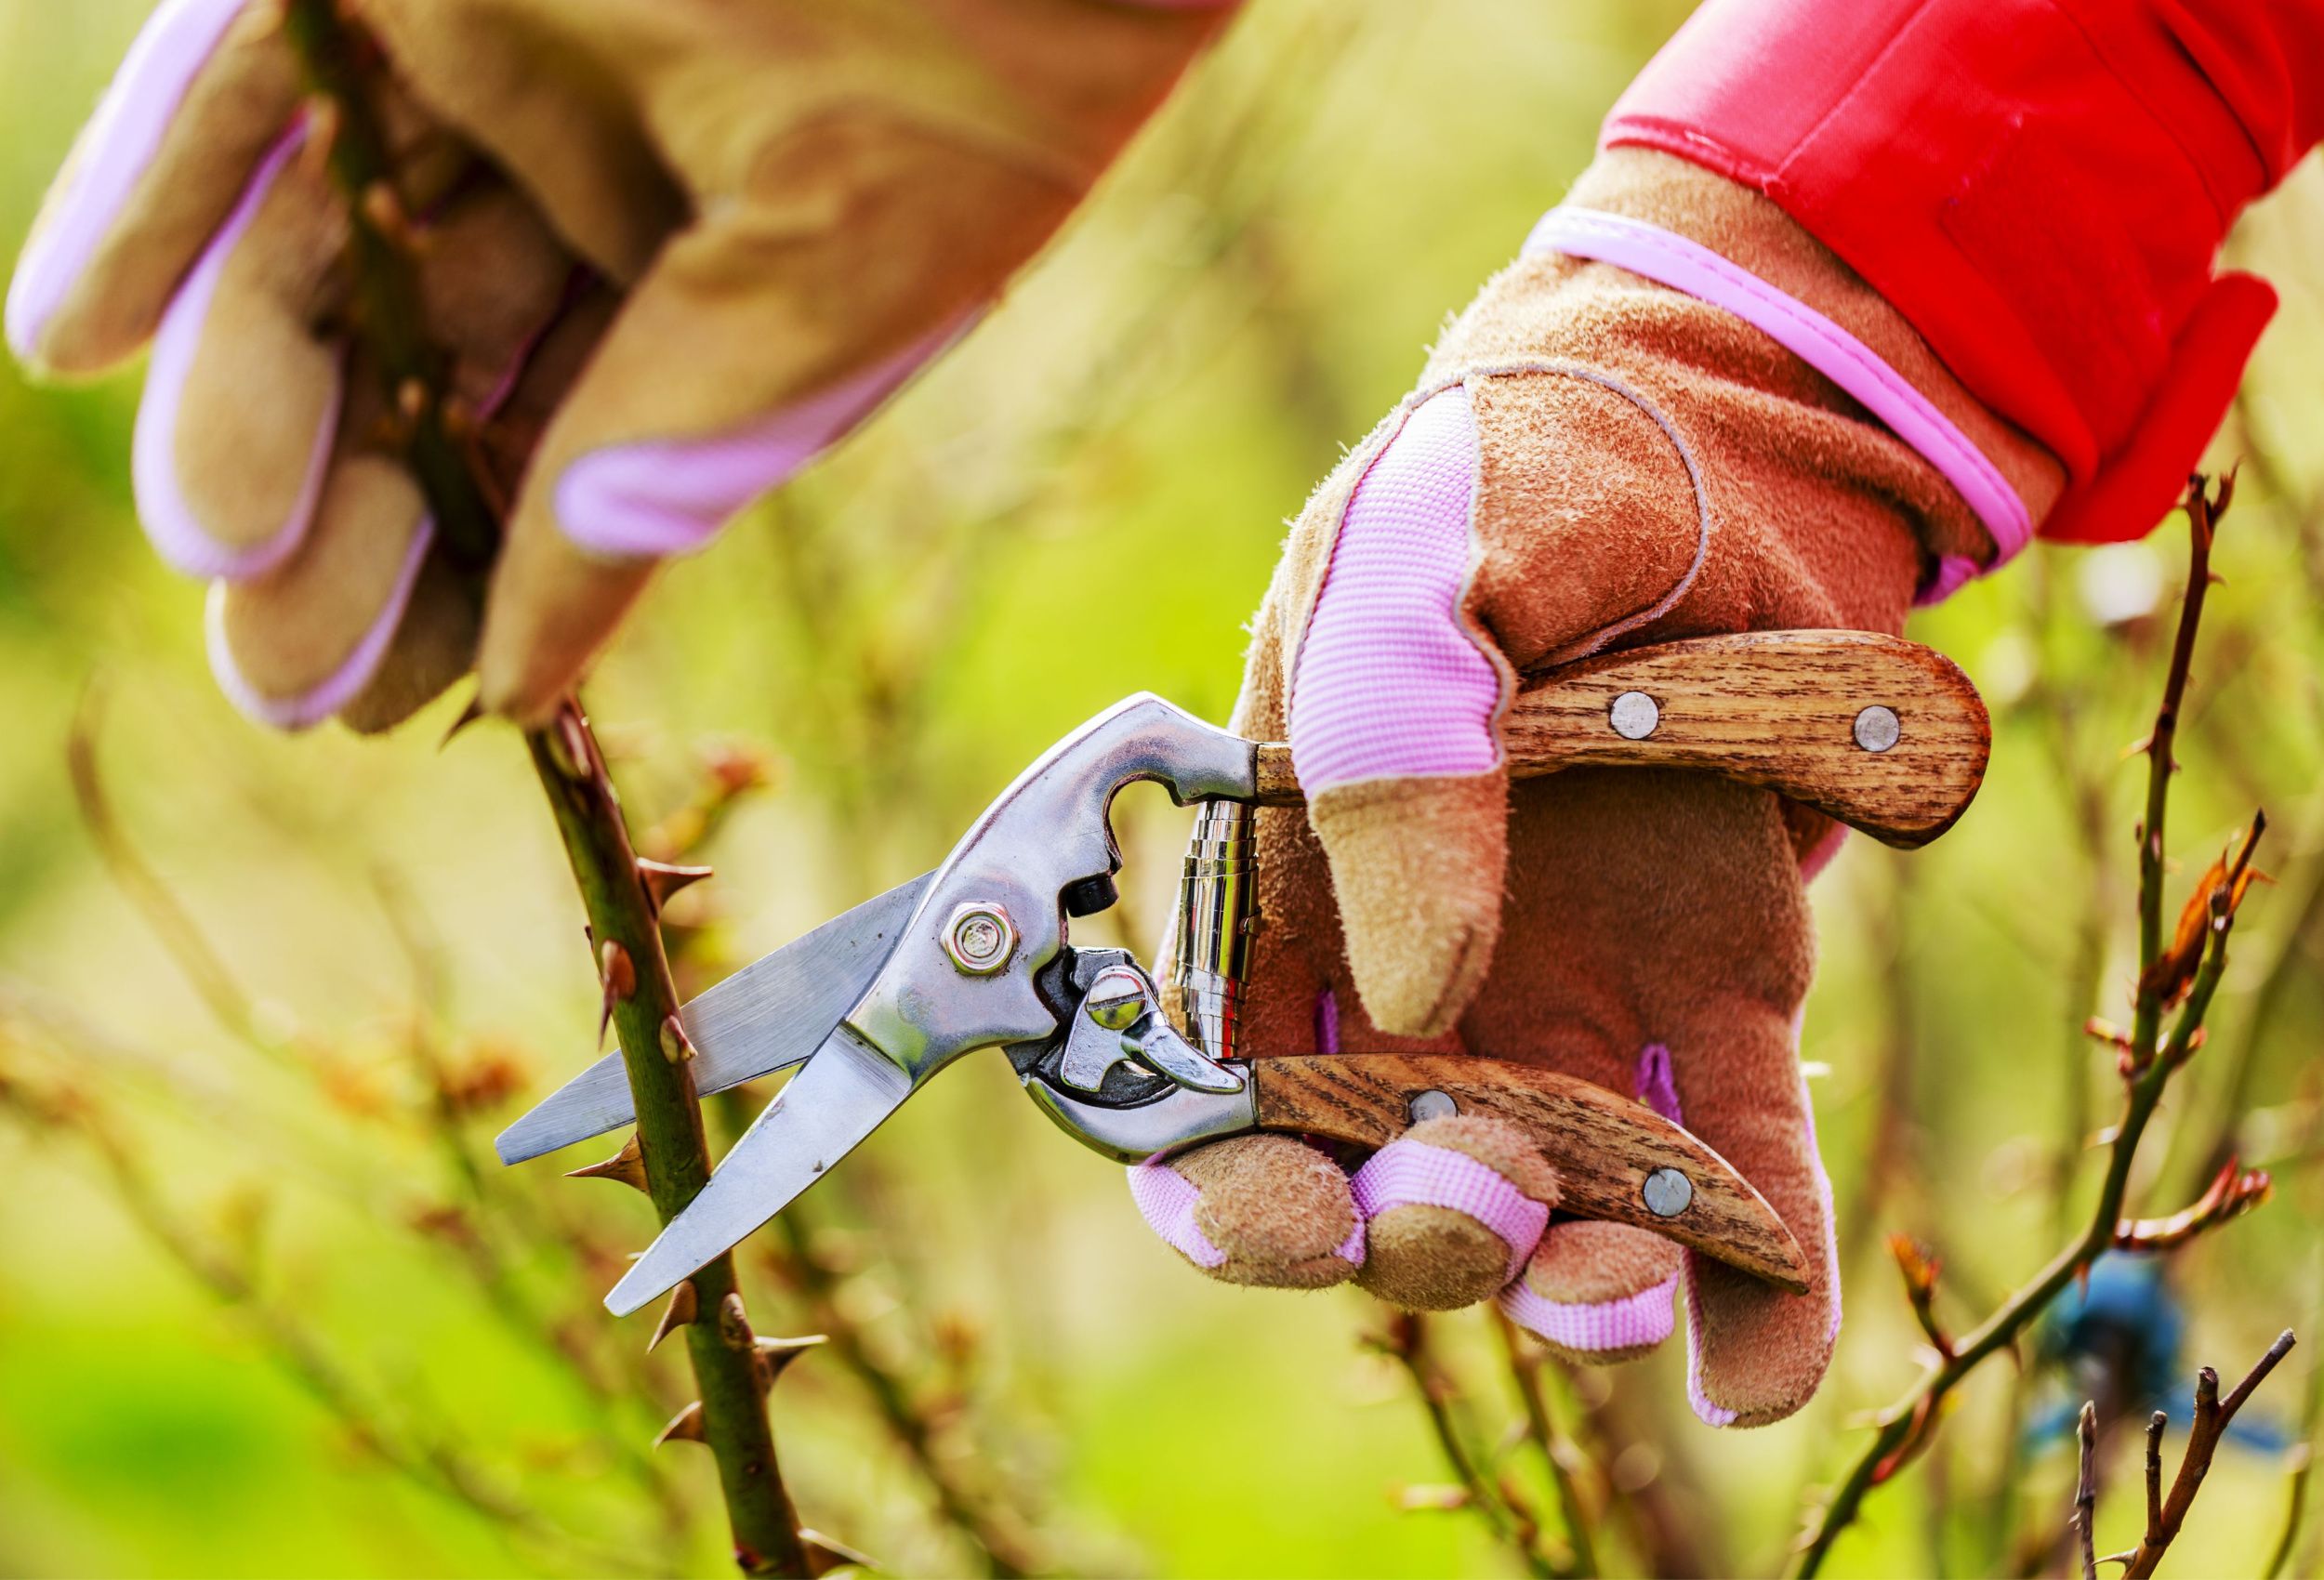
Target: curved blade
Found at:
x=768, y=1016
x=848, y=1088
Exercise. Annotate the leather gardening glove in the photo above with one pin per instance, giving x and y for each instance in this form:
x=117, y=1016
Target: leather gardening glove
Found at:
x=1590, y=460
x=682, y=245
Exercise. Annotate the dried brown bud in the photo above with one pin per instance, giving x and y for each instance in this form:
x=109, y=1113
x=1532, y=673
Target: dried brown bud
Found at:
x=619, y=974
x=684, y=1305
x=620, y=977
x=626, y=1165
x=734, y=1322
x=383, y=210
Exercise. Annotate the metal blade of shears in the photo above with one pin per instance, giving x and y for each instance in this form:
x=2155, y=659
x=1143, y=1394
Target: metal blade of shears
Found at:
x=769, y=1016
x=846, y=1090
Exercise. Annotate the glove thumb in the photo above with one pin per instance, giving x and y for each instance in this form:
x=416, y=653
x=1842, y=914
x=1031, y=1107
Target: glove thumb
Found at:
x=1392, y=719
x=1418, y=866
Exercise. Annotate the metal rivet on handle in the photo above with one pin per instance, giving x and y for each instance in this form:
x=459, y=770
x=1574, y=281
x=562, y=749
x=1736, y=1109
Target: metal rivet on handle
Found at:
x=1878, y=727
x=1633, y=715
x=1432, y=1105
x=1667, y=1192
x=980, y=938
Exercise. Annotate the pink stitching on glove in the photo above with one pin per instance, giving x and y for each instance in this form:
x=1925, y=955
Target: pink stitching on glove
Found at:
x=1388, y=683
x=671, y=496
x=170, y=524
x=1687, y=266
x=1412, y=1173
x=1630, y=1323
x=122, y=136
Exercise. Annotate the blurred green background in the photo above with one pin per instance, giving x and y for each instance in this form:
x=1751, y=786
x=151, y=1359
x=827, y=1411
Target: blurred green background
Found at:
x=264, y=1312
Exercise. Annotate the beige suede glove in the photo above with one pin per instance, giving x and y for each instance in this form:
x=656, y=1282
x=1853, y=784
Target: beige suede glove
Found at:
x=684, y=245
x=1590, y=460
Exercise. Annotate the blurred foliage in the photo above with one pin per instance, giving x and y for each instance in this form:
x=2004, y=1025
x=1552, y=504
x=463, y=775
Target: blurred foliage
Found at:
x=268, y=1308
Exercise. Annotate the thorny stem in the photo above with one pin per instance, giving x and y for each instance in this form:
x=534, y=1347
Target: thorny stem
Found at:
x=180, y=936
x=1524, y=1369
x=1404, y=1340
x=1907, y=1426
x=623, y=925
x=433, y=1465
x=677, y=1154
x=183, y=940
x=390, y=321
x=1005, y=1551
x=2203, y=512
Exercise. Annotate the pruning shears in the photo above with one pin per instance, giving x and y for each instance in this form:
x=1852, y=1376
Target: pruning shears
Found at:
x=1880, y=734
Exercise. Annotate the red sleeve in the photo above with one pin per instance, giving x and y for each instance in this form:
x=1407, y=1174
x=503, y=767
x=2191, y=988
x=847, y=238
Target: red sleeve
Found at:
x=2040, y=186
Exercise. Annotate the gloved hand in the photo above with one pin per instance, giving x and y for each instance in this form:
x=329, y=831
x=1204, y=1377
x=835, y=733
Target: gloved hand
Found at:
x=1590, y=460
x=784, y=210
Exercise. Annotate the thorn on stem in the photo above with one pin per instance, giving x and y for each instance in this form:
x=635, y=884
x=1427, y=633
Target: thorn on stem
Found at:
x=626, y=1165
x=825, y=1555
x=662, y=879
x=676, y=1046
x=469, y=715
x=684, y=1427
x=685, y=1306
x=773, y=1356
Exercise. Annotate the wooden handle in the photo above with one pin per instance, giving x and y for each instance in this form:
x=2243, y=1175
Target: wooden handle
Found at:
x=1603, y=1147
x=1790, y=711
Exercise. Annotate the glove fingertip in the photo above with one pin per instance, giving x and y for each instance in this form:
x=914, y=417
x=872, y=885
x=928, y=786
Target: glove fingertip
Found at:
x=199, y=92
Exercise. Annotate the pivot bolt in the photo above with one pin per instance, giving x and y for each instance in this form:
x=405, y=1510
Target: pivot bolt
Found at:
x=980, y=938
x=1667, y=1192
x=1633, y=715
x=1878, y=727
x=1432, y=1105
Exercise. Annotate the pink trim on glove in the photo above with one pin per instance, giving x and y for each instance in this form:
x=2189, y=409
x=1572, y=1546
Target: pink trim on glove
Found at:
x=1683, y=265
x=170, y=524
x=1819, y=855
x=1823, y=1196
x=1166, y=1200
x=1406, y=1173
x=671, y=497
x=1631, y=1323
x=114, y=154
x=343, y=684
x=1388, y=683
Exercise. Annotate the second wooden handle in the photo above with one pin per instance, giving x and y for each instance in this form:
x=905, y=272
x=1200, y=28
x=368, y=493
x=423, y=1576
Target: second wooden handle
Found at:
x=1606, y=1149
x=1885, y=735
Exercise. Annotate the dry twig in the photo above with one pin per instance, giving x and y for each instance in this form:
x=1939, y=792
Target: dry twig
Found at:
x=2165, y=1516
x=2086, y=1489
x=1404, y=1339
